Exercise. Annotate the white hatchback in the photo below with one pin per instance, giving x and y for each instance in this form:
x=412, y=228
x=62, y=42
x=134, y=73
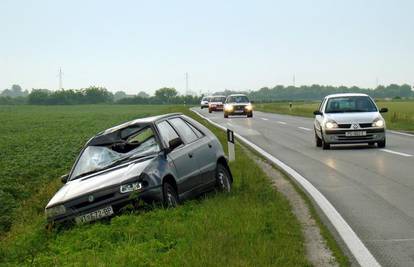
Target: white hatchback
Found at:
x=349, y=118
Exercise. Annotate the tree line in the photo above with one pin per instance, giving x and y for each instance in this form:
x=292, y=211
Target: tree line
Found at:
x=100, y=95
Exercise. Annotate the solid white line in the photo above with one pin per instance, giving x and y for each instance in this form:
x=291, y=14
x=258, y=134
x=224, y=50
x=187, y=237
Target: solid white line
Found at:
x=306, y=129
x=281, y=122
x=350, y=238
x=396, y=153
x=264, y=119
x=401, y=133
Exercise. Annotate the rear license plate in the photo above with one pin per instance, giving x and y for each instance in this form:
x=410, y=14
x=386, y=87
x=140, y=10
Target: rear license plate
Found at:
x=356, y=133
x=95, y=215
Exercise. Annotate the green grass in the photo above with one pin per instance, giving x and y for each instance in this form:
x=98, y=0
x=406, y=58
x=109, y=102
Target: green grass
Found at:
x=399, y=117
x=252, y=226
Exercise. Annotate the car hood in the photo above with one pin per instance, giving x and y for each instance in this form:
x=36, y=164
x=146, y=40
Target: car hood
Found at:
x=353, y=117
x=94, y=182
x=239, y=104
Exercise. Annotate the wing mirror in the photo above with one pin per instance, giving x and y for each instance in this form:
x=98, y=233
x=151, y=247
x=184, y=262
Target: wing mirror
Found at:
x=317, y=112
x=383, y=110
x=174, y=143
x=64, y=178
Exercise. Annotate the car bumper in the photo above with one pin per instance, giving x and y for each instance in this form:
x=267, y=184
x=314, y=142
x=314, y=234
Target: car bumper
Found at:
x=238, y=112
x=339, y=136
x=216, y=108
x=117, y=201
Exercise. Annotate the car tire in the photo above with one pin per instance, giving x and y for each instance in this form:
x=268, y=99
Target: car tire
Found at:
x=223, y=180
x=325, y=146
x=209, y=111
x=226, y=115
x=250, y=115
x=170, y=196
x=381, y=144
x=318, y=141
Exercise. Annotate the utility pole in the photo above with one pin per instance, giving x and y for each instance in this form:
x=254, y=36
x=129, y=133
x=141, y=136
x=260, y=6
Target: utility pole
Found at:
x=294, y=81
x=60, y=78
x=376, y=83
x=186, y=83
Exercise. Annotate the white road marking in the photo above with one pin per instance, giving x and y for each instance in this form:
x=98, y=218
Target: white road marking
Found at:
x=396, y=153
x=264, y=119
x=401, y=133
x=352, y=241
x=306, y=129
x=394, y=240
x=281, y=122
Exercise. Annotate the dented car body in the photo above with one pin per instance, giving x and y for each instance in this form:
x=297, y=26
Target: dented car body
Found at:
x=165, y=159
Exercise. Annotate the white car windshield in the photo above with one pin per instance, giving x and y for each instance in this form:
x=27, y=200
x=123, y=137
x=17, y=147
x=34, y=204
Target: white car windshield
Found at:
x=350, y=104
x=238, y=99
x=95, y=158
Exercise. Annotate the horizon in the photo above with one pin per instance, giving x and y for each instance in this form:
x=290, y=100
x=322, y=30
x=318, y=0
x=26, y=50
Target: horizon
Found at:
x=239, y=46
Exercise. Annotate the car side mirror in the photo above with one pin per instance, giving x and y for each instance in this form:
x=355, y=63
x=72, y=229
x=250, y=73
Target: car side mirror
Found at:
x=317, y=112
x=174, y=143
x=383, y=110
x=64, y=178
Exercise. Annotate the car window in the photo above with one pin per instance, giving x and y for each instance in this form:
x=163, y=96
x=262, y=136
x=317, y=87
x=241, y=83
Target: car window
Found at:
x=350, y=104
x=197, y=131
x=167, y=132
x=237, y=99
x=186, y=133
x=321, y=105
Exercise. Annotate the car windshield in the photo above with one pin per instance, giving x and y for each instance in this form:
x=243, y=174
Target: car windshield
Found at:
x=96, y=158
x=350, y=104
x=218, y=99
x=205, y=99
x=238, y=99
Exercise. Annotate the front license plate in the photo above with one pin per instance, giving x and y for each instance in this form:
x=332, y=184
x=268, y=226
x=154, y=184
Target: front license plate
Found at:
x=356, y=133
x=95, y=215
x=238, y=111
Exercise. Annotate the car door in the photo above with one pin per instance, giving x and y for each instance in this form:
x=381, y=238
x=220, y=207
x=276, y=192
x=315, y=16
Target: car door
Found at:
x=197, y=143
x=183, y=158
x=319, y=118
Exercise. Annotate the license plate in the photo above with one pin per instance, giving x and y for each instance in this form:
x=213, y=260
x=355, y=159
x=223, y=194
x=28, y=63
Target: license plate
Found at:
x=238, y=111
x=95, y=215
x=356, y=133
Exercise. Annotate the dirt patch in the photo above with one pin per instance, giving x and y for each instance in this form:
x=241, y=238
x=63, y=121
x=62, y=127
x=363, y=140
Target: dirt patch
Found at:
x=317, y=251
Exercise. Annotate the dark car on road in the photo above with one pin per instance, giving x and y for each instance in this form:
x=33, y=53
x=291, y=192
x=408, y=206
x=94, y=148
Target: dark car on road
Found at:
x=238, y=104
x=164, y=159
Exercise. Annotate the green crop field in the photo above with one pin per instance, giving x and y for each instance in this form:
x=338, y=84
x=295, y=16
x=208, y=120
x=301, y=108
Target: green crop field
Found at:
x=252, y=226
x=399, y=117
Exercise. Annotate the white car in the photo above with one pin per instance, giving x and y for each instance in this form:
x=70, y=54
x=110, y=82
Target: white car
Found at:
x=204, y=102
x=349, y=118
x=238, y=104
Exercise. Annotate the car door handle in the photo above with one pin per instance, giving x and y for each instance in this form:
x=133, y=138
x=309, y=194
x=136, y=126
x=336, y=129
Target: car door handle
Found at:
x=190, y=155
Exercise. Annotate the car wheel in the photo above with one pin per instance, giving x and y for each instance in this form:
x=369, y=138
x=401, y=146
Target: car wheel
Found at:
x=318, y=140
x=250, y=115
x=325, y=146
x=226, y=115
x=209, y=111
x=381, y=144
x=170, y=196
x=223, y=182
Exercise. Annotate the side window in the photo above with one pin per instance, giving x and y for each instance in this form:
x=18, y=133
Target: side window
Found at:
x=197, y=131
x=167, y=132
x=184, y=130
x=321, y=105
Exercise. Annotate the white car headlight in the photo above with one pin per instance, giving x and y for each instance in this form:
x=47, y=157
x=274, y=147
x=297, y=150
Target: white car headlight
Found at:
x=331, y=125
x=249, y=107
x=55, y=211
x=228, y=107
x=378, y=123
x=126, y=188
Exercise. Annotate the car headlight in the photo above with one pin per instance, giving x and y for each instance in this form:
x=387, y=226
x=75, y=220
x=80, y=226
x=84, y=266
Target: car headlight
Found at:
x=126, y=188
x=378, y=123
x=55, y=211
x=249, y=107
x=331, y=125
x=228, y=107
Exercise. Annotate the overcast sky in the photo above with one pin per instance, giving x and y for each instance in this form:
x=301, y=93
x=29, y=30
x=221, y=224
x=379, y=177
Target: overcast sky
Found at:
x=145, y=45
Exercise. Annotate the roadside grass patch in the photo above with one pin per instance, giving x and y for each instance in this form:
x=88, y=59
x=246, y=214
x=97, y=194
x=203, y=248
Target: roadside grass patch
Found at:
x=252, y=226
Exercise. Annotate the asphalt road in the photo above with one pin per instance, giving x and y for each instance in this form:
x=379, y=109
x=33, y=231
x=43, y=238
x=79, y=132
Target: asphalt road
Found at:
x=373, y=189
